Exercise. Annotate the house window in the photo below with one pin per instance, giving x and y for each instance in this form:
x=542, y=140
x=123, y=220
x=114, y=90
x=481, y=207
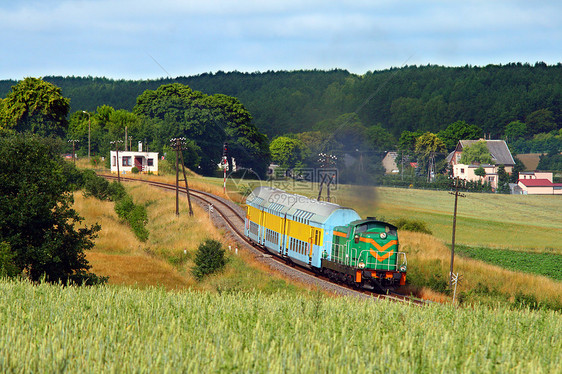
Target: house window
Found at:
x=113, y=162
x=126, y=160
x=150, y=162
x=458, y=157
x=462, y=170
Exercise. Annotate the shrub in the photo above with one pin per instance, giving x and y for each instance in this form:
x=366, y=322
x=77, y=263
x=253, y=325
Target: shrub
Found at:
x=414, y=225
x=209, y=258
x=134, y=170
x=135, y=215
x=7, y=266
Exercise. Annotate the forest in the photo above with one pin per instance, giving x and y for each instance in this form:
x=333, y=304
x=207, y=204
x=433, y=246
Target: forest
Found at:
x=427, y=98
x=358, y=117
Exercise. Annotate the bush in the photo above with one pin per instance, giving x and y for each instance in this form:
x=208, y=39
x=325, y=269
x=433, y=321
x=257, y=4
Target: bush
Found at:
x=8, y=267
x=414, y=225
x=209, y=258
x=135, y=215
x=134, y=170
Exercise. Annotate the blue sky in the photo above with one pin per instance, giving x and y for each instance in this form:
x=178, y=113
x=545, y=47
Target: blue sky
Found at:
x=142, y=39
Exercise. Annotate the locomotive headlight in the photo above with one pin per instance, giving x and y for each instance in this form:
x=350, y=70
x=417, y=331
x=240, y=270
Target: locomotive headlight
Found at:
x=383, y=235
x=403, y=268
x=361, y=265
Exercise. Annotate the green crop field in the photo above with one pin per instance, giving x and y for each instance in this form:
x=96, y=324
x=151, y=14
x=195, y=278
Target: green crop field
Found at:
x=49, y=328
x=547, y=264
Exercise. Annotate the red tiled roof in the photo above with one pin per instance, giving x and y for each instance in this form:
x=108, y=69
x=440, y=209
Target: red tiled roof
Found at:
x=539, y=183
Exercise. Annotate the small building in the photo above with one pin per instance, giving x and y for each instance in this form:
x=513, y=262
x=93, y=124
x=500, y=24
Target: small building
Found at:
x=389, y=163
x=538, y=183
x=500, y=156
x=145, y=162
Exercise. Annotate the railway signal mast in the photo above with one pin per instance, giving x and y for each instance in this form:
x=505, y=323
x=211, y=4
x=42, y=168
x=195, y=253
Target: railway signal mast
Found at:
x=224, y=165
x=177, y=144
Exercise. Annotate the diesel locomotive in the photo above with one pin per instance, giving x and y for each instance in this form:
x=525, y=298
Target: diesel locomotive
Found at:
x=326, y=237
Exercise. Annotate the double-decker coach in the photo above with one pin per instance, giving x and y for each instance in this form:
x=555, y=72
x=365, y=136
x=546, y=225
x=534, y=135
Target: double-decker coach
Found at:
x=294, y=226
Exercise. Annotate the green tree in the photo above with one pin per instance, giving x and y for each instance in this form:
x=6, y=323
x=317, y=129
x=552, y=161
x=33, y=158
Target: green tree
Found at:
x=36, y=215
x=459, y=130
x=480, y=172
x=380, y=139
x=541, y=120
x=287, y=152
x=35, y=105
x=503, y=180
x=428, y=146
x=209, y=258
x=515, y=130
x=476, y=153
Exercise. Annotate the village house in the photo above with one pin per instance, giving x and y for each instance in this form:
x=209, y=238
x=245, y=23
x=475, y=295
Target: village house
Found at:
x=389, y=163
x=145, y=162
x=500, y=156
x=538, y=183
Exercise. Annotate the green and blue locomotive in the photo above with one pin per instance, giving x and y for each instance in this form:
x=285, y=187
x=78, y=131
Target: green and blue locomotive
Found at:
x=326, y=237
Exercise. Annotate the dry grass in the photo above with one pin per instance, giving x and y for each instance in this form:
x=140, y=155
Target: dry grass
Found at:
x=172, y=239
x=425, y=251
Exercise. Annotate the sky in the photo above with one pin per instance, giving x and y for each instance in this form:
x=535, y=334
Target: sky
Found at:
x=146, y=39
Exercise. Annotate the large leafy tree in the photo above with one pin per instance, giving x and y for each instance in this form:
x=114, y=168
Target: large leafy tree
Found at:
x=37, y=106
x=459, y=130
x=476, y=153
x=175, y=110
x=288, y=152
x=36, y=215
x=428, y=147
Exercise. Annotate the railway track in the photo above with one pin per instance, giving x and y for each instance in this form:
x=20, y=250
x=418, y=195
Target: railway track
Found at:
x=233, y=218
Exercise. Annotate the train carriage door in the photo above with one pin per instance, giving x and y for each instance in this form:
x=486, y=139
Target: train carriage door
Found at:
x=282, y=231
x=261, y=231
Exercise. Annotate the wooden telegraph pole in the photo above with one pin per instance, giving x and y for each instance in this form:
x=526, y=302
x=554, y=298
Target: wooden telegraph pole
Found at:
x=457, y=195
x=177, y=144
x=74, y=141
x=117, y=142
x=325, y=162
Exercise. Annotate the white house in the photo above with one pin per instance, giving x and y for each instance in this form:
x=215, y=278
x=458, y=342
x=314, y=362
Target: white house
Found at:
x=500, y=156
x=145, y=162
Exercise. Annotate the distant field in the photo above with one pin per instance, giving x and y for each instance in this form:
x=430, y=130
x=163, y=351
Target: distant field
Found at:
x=530, y=223
x=490, y=220
x=50, y=328
x=547, y=264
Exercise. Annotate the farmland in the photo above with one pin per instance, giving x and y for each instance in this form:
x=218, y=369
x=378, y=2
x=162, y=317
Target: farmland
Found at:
x=547, y=264
x=49, y=328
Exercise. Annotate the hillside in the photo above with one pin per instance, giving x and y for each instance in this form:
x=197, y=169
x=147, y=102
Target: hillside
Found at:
x=408, y=98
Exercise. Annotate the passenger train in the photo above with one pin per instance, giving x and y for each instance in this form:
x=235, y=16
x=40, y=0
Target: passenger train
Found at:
x=325, y=237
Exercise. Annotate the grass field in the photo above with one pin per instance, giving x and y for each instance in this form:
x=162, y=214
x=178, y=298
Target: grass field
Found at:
x=48, y=328
x=167, y=257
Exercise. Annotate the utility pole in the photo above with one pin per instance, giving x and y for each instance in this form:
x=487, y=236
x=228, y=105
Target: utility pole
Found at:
x=177, y=144
x=73, y=141
x=457, y=195
x=89, y=131
x=117, y=142
x=325, y=161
